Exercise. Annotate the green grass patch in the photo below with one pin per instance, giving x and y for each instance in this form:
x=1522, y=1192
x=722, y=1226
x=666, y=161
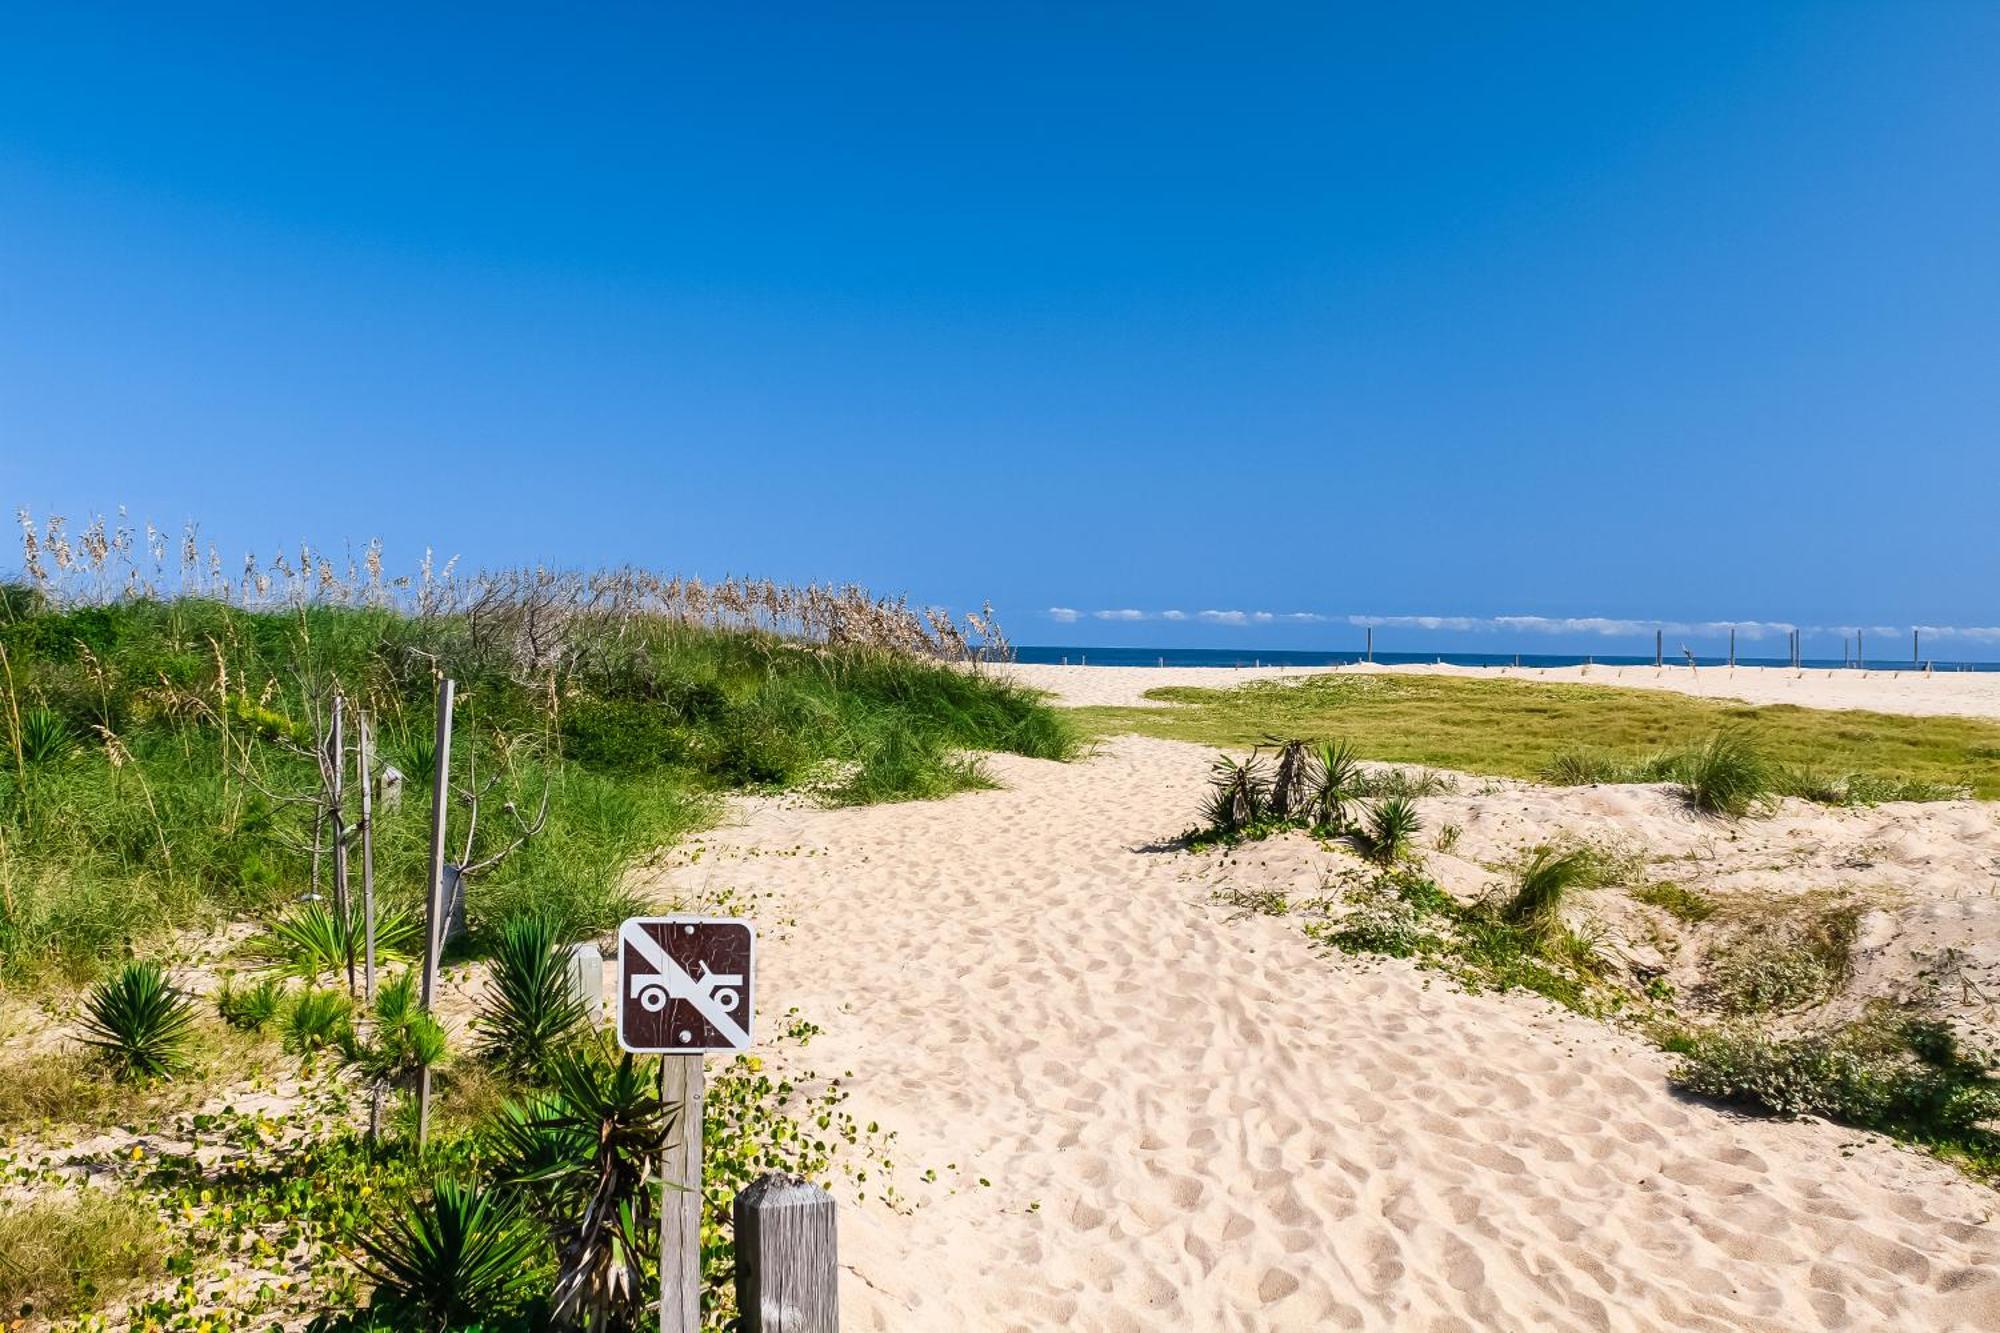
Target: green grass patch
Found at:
x=1519, y=728
x=74, y=1252
x=153, y=754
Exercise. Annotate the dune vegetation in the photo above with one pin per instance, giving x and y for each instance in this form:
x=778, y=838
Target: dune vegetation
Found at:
x=166, y=903
x=1573, y=733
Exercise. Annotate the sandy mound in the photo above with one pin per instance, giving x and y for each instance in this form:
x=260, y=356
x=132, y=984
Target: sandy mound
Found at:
x=1190, y=1121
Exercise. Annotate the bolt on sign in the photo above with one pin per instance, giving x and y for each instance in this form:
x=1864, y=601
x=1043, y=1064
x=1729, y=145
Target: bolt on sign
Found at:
x=684, y=984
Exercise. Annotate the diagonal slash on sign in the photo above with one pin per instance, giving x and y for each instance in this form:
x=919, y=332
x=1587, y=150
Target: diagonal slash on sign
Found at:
x=681, y=986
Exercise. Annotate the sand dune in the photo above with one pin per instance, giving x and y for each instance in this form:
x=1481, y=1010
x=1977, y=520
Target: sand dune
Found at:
x=1191, y=1121
x=1968, y=693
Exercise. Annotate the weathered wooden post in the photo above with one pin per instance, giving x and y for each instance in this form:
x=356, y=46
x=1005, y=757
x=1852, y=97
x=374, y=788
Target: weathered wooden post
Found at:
x=1659, y=647
x=787, y=1279
x=682, y=1083
x=336, y=772
x=363, y=756
x=1371, y=643
x=434, y=906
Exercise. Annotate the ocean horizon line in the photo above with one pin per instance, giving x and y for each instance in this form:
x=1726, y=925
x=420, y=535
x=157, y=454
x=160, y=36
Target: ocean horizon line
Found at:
x=1118, y=655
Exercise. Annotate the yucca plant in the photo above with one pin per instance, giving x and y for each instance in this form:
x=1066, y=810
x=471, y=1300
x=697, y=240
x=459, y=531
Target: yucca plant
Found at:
x=468, y=1257
x=602, y=1244
x=1392, y=826
x=540, y=1146
x=45, y=736
x=250, y=1009
x=1334, y=785
x=1239, y=794
x=140, y=1022
x=531, y=1007
x=310, y=941
x=318, y=1019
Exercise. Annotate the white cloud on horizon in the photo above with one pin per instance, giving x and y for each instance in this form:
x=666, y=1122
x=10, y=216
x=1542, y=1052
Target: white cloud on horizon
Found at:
x=1603, y=626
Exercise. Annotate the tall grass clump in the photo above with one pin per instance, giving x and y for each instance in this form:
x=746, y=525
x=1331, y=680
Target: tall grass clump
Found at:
x=1723, y=776
x=1543, y=883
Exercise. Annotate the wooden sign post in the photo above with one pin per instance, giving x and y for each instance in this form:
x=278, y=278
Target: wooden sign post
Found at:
x=684, y=989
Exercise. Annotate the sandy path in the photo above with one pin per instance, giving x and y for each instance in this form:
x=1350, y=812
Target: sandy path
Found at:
x=1970, y=693
x=1193, y=1122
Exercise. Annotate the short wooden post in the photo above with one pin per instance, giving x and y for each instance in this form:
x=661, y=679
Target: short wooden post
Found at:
x=787, y=1278
x=1659, y=647
x=1371, y=643
x=681, y=1082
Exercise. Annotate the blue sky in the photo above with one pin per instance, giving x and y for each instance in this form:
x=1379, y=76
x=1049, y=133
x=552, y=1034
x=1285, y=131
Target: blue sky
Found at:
x=1635, y=312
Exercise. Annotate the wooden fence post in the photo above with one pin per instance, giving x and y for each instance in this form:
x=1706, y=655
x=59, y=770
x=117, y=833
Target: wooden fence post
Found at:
x=787, y=1280
x=683, y=1082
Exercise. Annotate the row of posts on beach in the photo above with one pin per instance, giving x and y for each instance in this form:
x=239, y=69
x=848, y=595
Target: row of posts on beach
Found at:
x=1852, y=652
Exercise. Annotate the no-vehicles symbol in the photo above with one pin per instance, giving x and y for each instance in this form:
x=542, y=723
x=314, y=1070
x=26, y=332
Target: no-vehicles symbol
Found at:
x=684, y=984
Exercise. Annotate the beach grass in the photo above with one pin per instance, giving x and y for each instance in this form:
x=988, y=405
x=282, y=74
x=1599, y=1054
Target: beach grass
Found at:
x=1518, y=729
x=156, y=756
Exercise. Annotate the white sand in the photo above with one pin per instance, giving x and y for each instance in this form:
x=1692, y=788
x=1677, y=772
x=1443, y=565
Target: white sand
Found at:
x=1971, y=693
x=1191, y=1121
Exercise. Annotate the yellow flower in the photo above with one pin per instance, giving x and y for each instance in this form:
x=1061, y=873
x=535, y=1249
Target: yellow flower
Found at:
x=137, y=1153
x=367, y=1190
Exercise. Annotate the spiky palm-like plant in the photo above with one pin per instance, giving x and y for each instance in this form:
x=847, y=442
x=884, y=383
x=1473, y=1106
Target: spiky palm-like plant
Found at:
x=310, y=941
x=318, y=1019
x=1392, y=826
x=402, y=1040
x=531, y=1008
x=1334, y=785
x=140, y=1022
x=1239, y=794
x=614, y=1112
x=45, y=736
x=467, y=1257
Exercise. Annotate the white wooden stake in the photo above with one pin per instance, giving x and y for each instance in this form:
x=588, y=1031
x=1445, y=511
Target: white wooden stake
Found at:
x=433, y=898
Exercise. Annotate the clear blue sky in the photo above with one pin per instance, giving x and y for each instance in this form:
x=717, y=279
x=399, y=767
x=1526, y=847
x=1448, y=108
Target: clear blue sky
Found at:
x=1676, y=311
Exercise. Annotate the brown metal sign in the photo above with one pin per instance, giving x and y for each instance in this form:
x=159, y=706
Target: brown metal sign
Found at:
x=684, y=984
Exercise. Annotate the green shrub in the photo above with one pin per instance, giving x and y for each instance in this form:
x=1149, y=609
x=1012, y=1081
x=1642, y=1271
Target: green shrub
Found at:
x=310, y=941
x=1778, y=965
x=1903, y=1075
x=1577, y=766
x=1334, y=784
x=1239, y=795
x=318, y=1020
x=252, y=1009
x=1545, y=878
x=140, y=1022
